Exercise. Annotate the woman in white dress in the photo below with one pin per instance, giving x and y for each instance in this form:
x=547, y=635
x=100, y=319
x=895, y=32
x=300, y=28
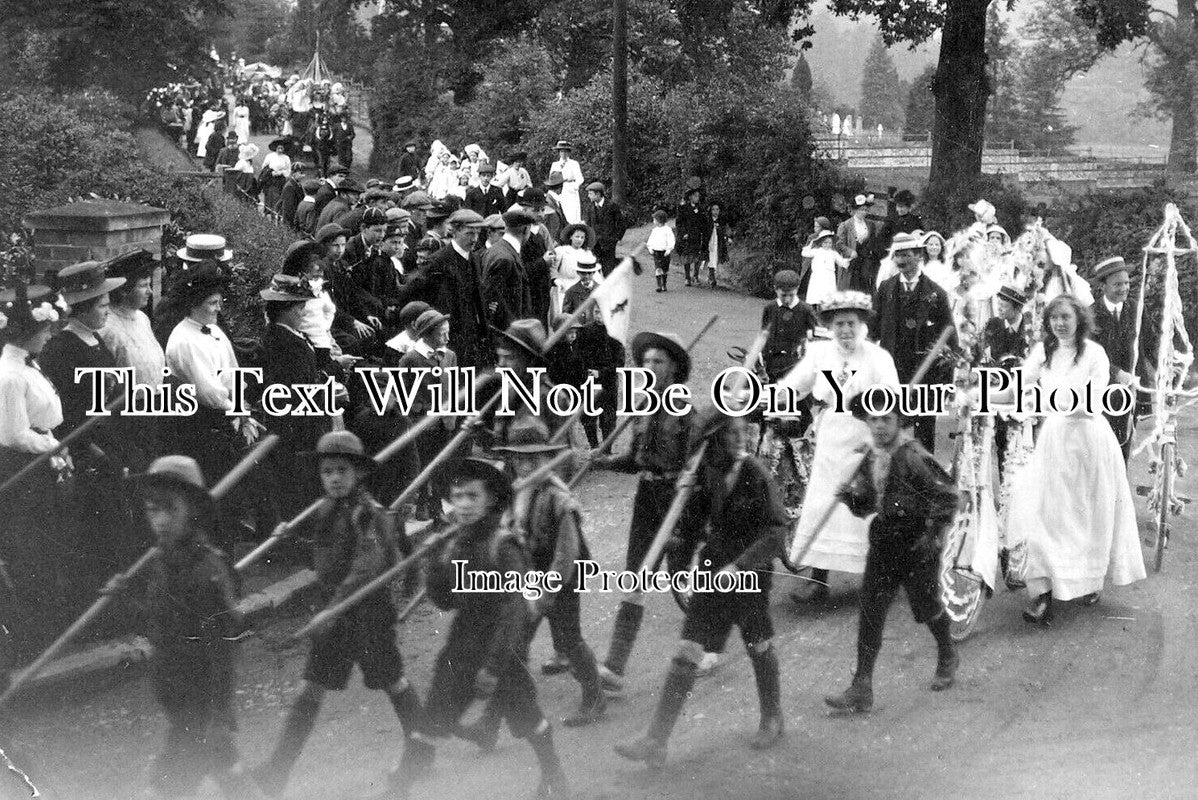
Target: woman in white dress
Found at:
x=1075, y=504
x=571, y=182
x=205, y=129
x=856, y=365
x=241, y=120
x=825, y=261
x=575, y=240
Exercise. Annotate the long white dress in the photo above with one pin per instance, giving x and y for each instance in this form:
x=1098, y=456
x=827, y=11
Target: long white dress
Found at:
x=241, y=123
x=1072, y=500
x=823, y=272
x=570, y=196
x=843, y=542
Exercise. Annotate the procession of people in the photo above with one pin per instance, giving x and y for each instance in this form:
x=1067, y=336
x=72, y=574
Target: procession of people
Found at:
x=464, y=262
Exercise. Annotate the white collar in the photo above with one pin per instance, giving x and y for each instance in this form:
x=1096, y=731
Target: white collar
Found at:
x=792, y=305
x=1114, y=308
x=423, y=348
x=913, y=281
x=513, y=241
x=460, y=251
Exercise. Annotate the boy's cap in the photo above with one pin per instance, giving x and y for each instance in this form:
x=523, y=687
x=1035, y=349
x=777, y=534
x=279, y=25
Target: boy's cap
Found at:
x=411, y=312
x=175, y=473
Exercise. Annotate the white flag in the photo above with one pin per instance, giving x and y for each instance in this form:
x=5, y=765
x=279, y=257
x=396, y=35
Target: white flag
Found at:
x=614, y=299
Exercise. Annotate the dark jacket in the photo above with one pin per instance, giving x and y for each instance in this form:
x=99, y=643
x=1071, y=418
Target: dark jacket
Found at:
x=504, y=282
x=409, y=164
x=1117, y=338
x=692, y=229
x=289, y=199
x=289, y=359
x=747, y=524
x=491, y=200
x=609, y=225
x=451, y=286
x=659, y=445
x=355, y=540
x=920, y=498
x=786, y=336
x=1004, y=343
x=532, y=254
x=909, y=336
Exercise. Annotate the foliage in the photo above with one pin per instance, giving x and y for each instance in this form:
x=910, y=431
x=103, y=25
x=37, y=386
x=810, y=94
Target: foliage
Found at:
x=518, y=85
x=800, y=79
x=1171, y=77
x=124, y=45
x=881, y=96
x=951, y=213
x=921, y=104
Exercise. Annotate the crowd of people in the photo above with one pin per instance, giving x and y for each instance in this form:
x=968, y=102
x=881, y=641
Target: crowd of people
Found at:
x=482, y=275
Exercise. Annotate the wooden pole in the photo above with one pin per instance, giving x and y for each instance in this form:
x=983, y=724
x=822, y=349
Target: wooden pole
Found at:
x=226, y=484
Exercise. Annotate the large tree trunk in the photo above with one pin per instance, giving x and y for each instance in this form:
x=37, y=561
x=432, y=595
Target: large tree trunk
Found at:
x=1183, y=141
x=961, y=89
x=619, y=101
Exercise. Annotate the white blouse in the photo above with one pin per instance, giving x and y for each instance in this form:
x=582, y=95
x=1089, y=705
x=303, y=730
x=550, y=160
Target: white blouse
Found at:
x=31, y=406
x=195, y=357
x=130, y=337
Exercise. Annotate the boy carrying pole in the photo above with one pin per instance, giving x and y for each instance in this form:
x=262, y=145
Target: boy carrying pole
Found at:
x=355, y=540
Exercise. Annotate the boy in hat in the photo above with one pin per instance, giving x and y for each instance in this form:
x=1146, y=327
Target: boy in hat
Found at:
x=487, y=645
x=191, y=605
x=661, y=245
x=914, y=499
x=1006, y=338
x=354, y=541
x=430, y=351
x=548, y=519
x=601, y=354
x=658, y=453
x=1115, y=330
x=737, y=502
x=607, y=218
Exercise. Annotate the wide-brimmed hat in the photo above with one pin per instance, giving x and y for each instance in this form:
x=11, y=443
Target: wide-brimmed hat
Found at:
x=132, y=266
x=847, y=301
x=428, y=321
x=906, y=241
x=527, y=335
x=563, y=144
x=175, y=473
x=528, y=434
x=554, y=180
x=518, y=155
x=200, y=246
x=1012, y=295
x=197, y=282
x=342, y=444
x=478, y=469
x=282, y=140
x=85, y=280
x=287, y=289
x=586, y=262
x=23, y=308
x=668, y=342
x=824, y=234
x=568, y=231
x=532, y=197
x=1105, y=269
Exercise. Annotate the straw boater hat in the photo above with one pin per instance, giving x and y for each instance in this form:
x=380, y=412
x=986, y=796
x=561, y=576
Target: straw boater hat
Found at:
x=564, y=144
x=1012, y=295
x=84, y=281
x=1107, y=268
x=342, y=444
x=403, y=183
x=527, y=335
x=428, y=322
x=200, y=246
x=847, y=301
x=668, y=342
x=906, y=241
x=528, y=434
x=478, y=469
x=586, y=262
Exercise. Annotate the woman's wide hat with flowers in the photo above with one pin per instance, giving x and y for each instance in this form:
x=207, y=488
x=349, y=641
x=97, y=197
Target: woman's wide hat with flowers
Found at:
x=847, y=301
x=23, y=308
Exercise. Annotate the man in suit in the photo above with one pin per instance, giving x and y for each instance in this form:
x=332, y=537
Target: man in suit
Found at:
x=409, y=162
x=487, y=198
x=451, y=287
x=606, y=218
x=533, y=253
x=912, y=310
x=900, y=218
x=343, y=139
x=860, y=241
x=328, y=189
x=1115, y=330
x=293, y=192
x=504, y=288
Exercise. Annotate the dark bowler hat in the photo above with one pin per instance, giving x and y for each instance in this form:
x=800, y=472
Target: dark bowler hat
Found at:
x=555, y=180
x=528, y=434
x=175, y=473
x=428, y=322
x=1107, y=268
x=532, y=197
x=878, y=398
x=527, y=335
x=343, y=444
x=477, y=469
x=518, y=218
x=411, y=312
x=668, y=342
x=84, y=281
x=1012, y=295
x=904, y=197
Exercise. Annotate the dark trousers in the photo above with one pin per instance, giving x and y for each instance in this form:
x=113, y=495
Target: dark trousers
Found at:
x=661, y=264
x=649, y=506
x=924, y=430
x=894, y=561
x=565, y=621
x=452, y=691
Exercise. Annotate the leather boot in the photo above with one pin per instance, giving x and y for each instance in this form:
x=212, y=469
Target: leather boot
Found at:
x=623, y=636
x=586, y=671
x=769, y=693
x=484, y=731
x=651, y=748
x=272, y=776
x=687, y=269
x=711, y=277
x=664, y=280
x=859, y=697
x=947, y=659
x=553, y=782
x=407, y=708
